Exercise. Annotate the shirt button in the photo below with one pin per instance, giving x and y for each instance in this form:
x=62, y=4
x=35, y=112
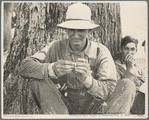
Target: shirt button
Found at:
x=82, y=93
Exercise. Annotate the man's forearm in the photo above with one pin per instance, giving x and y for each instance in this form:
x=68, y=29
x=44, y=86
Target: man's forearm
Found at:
x=137, y=79
x=32, y=68
x=100, y=89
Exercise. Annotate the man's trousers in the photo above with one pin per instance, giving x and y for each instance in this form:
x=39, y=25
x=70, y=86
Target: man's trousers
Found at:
x=51, y=101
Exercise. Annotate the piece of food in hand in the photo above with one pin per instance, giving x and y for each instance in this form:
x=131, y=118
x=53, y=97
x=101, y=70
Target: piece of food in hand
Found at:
x=82, y=60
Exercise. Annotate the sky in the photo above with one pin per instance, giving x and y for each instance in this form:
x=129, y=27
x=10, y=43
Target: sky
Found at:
x=134, y=21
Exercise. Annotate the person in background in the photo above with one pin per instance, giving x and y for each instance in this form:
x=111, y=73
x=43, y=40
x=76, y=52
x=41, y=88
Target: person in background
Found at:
x=126, y=64
x=143, y=44
x=86, y=68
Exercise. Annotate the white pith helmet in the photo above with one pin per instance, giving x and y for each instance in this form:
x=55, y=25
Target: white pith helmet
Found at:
x=78, y=16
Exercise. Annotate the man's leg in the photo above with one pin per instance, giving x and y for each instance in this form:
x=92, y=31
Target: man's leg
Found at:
x=47, y=97
x=122, y=99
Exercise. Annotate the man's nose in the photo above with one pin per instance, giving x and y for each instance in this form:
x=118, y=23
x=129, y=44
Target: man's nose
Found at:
x=129, y=51
x=76, y=35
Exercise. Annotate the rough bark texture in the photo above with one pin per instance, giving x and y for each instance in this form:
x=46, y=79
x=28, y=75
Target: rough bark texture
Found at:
x=107, y=15
x=35, y=27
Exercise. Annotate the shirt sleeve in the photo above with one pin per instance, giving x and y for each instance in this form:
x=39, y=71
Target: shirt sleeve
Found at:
x=140, y=78
x=36, y=65
x=32, y=68
x=106, y=80
x=140, y=74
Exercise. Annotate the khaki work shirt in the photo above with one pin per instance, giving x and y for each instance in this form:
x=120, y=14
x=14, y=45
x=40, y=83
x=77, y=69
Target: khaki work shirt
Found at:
x=102, y=65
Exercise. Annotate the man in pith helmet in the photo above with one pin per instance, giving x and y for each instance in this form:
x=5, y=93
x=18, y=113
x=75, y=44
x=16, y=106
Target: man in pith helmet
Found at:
x=84, y=67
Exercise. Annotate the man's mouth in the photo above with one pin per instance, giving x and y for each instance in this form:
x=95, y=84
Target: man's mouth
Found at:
x=75, y=40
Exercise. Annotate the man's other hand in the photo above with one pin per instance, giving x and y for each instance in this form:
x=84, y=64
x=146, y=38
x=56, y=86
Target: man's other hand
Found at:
x=84, y=72
x=82, y=68
x=130, y=61
x=130, y=64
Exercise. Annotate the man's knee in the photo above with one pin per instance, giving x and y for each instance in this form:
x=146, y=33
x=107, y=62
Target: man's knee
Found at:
x=39, y=86
x=127, y=85
x=122, y=99
x=48, y=98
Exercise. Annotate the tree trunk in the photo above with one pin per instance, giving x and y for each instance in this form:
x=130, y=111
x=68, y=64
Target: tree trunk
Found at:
x=35, y=27
x=107, y=15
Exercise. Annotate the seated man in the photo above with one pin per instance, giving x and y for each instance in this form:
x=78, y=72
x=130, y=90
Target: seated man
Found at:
x=126, y=64
x=87, y=69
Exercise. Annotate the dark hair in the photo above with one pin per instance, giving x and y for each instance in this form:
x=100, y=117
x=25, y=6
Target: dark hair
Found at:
x=128, y=39
x=143, y=44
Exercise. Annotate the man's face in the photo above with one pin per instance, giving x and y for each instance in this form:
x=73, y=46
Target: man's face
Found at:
x=130, y=48
x=77, y=37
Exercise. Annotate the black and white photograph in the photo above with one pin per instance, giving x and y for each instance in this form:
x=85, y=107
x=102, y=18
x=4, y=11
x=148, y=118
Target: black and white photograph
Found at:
x=74, y=59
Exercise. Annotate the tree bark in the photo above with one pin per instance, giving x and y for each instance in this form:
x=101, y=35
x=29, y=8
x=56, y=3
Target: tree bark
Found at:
x=35, y=27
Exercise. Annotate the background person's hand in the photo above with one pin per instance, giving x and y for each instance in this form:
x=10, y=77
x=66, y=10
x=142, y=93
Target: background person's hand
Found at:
x=130, y=61
x=63, y=67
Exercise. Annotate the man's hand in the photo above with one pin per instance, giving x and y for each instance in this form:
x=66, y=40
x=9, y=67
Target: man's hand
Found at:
x=130, y=62
x=83, y=71
x=63, y=67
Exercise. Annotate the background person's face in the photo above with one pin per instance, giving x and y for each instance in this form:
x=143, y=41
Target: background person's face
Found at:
x=129, y=48
x=77, y=37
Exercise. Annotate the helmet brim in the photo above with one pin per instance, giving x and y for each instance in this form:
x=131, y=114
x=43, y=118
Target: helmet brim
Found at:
x=79, y=24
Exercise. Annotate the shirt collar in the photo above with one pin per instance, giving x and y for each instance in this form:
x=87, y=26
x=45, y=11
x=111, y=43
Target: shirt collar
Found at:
x=87, y=49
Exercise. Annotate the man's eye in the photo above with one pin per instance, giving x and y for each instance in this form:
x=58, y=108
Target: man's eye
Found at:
x=81, y=30
x=71, y=29
x=126, y=48
x=132, y=49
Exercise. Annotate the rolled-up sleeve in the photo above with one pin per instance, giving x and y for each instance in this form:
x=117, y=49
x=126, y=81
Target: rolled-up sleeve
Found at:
x=106, y=80
x=140, y=74
x=36, y=65
x=32, y=68
x=140, y=78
